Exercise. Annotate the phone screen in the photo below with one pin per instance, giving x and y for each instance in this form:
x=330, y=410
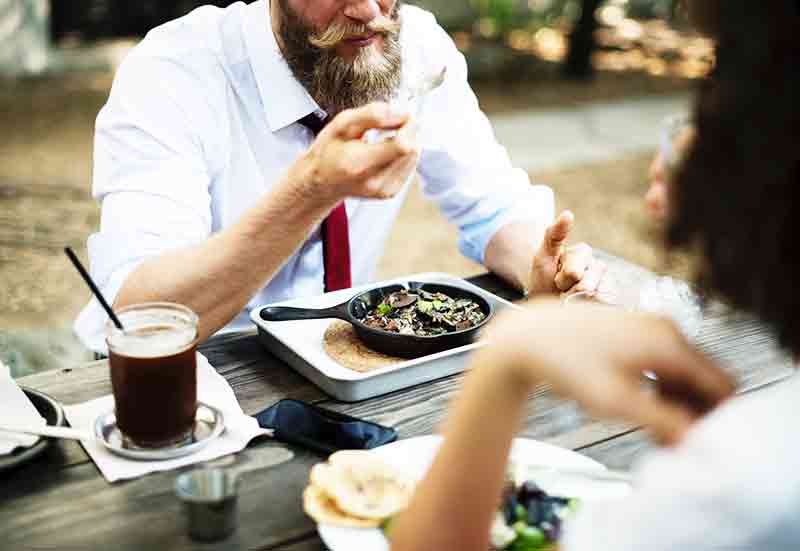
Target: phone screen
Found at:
x=322, y=430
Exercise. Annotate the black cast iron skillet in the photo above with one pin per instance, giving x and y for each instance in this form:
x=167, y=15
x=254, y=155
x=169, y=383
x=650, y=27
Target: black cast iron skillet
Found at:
x=393, y=344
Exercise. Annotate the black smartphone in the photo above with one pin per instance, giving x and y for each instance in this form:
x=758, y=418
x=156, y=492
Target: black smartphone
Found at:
x=322, y=430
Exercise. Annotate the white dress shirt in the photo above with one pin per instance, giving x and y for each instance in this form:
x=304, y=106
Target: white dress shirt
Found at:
x=732, y=485
x=202, y=121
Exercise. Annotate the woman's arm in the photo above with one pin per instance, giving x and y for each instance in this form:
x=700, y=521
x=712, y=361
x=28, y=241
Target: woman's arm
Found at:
x=453, y=507
x=593, y=354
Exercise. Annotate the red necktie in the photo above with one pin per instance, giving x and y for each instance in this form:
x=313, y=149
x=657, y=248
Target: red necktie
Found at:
x=335, y=233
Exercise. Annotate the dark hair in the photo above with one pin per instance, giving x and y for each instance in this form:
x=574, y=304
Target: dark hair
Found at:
x=737, y=196
x=703, y=14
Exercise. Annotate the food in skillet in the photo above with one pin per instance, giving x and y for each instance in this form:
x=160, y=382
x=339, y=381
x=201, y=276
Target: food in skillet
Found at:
x=424, y=314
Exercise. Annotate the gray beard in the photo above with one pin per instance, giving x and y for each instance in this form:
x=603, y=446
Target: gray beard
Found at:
x=335, y=83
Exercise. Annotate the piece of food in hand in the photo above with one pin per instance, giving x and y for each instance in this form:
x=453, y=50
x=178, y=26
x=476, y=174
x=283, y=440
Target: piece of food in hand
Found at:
x=424, y=314
x=356, y=489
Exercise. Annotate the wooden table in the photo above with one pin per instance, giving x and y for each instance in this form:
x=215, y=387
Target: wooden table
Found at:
x=61, y=502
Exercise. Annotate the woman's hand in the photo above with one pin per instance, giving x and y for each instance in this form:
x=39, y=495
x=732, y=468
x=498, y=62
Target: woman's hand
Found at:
x=597, y=354
x=593, y=354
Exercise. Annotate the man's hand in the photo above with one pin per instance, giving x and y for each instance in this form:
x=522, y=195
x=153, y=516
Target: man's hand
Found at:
x=560, y=269
x=341, y=164
x=596, y=355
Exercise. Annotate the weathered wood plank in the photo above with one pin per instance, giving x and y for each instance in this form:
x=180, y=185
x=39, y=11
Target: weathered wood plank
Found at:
x=421, y=410
x=742, y=344
x=76, y=508
x=622, y=452
x=313, y=543
x=72, y=385
x=258, y=378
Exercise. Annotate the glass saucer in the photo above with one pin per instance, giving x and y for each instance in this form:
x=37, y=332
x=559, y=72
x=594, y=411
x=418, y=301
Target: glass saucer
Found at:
x=209, y=424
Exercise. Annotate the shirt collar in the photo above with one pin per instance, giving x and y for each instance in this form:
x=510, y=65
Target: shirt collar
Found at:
x=285, y=100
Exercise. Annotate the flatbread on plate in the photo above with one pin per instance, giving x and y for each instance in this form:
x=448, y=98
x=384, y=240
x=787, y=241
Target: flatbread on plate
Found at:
x=323, y=510
x=362, y=485
x=342, y=344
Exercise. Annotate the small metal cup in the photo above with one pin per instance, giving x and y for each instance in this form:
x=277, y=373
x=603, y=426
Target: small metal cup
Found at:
x=210, y=497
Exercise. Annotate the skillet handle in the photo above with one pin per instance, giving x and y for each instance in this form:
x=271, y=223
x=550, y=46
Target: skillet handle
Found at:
x=285, y=313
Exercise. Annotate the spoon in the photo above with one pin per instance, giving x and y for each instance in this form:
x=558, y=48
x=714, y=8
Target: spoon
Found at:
x=427, y=85
x=51, y=431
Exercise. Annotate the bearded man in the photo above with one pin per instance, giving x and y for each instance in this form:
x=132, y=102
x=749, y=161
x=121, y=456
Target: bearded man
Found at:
x=220, y=189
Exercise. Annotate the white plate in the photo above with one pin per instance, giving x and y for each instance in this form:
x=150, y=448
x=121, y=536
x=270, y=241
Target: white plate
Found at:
x=415, y=455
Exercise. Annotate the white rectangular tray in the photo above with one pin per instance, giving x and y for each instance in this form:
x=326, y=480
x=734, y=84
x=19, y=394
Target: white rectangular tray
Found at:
x=300, y=344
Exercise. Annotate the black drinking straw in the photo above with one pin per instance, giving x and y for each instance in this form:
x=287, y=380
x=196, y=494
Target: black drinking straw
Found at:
x=88, y=279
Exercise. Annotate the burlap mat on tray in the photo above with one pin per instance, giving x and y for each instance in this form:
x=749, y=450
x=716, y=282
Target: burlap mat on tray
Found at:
x=345, y=348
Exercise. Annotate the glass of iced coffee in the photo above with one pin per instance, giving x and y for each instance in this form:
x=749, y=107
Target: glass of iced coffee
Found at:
x=154, y=374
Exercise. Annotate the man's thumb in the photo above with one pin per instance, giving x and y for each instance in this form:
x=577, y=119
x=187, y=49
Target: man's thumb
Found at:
x=557, y=234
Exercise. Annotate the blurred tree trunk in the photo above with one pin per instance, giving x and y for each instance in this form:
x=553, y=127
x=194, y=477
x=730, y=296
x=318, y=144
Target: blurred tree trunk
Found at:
x=24, y=36
x=578, y=64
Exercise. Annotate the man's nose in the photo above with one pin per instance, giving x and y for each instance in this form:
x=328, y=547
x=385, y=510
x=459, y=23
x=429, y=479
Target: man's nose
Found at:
x=362, y=11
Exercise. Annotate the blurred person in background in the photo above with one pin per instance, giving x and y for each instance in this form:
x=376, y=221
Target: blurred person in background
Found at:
x=678, y=131
x=221, y=190
x=675, y=143
x=727, y=477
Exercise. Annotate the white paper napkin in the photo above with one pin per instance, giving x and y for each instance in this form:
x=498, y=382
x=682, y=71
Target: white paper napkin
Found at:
x=212, y=389
x=16, y=410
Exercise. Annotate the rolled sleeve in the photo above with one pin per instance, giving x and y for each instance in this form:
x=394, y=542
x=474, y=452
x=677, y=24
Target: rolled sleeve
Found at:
x=464, y=170
x=151, y=178
x=536, y=203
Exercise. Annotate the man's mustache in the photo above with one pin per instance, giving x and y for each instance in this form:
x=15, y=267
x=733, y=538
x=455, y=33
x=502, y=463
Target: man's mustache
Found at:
x=337, y=32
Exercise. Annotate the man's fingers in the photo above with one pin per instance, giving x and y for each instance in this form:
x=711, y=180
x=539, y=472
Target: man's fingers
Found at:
x=389, y=181
x=366, y=160
x=592, y=279
x=407, y=134
x=557, y=234
x=353, y=123
x=575, y=262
